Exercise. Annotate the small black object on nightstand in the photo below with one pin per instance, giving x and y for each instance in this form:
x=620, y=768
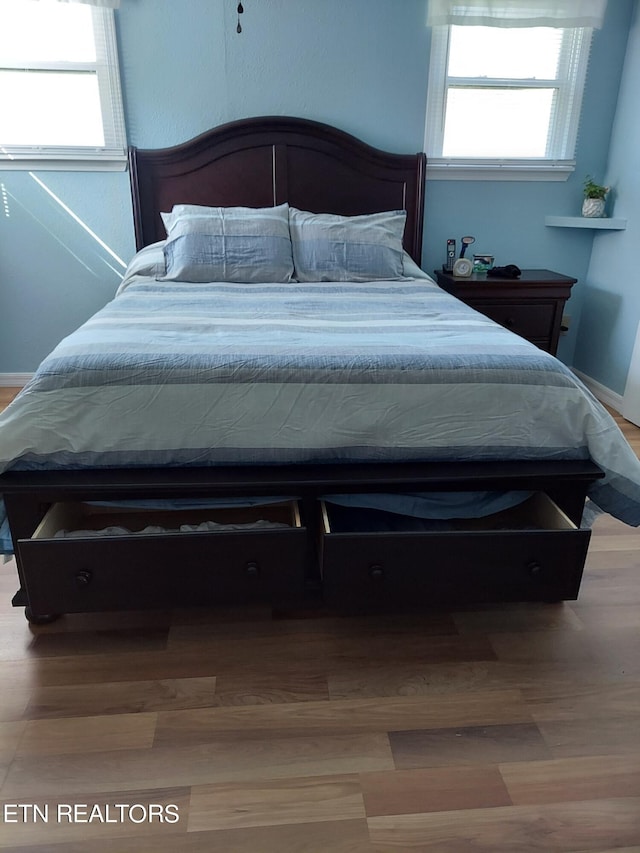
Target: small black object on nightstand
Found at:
x=510, y=271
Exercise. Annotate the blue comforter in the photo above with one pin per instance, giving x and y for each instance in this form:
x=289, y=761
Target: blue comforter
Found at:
x=172, y=373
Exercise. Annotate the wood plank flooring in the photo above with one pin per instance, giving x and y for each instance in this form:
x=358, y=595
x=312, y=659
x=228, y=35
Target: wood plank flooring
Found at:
x=507, y=728
x=6, y=396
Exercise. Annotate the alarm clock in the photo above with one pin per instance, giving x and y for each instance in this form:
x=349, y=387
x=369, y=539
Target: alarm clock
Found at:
x=463, y=268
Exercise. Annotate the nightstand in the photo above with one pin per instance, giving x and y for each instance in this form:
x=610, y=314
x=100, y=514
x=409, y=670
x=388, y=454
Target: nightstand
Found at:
x=530, y=306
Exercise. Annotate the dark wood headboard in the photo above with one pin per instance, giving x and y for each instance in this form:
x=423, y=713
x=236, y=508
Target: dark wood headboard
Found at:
x=260, y=162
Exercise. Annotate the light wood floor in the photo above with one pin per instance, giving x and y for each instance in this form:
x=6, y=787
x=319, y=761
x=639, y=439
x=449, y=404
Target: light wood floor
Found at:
x=6, y=396
x=513, y=728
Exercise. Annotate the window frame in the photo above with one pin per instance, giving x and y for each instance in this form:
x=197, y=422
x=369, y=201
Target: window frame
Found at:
x=563, y=134
x=110, y=157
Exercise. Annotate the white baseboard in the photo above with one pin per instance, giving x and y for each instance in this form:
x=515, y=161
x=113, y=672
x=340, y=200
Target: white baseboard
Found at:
x=14, y=380
x=604, y=394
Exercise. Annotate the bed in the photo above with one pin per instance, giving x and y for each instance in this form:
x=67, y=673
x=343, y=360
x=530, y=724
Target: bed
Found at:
x=347, y=440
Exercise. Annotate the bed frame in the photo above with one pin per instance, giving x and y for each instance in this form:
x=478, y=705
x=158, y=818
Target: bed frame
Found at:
x=261, y=162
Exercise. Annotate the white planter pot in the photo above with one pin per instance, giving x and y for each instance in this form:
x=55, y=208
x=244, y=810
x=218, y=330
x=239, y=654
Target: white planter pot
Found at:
x=593, y=207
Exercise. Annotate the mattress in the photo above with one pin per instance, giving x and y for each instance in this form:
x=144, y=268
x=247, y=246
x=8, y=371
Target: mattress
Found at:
x=183, y=374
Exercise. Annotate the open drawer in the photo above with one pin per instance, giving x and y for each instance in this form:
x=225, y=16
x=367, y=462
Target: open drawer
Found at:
x=257, y=553
x=532, y=552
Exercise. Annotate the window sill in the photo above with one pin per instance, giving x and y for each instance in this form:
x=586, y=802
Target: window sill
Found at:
x=69, y=163
x=440, y=169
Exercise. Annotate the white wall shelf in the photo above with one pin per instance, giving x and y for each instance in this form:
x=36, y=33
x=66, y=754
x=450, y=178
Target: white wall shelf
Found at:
x=604, y=224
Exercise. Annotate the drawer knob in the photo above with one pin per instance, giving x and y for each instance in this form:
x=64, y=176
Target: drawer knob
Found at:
x=252, y=570
x=83, y=578
x=534, y=568
x=376, y=572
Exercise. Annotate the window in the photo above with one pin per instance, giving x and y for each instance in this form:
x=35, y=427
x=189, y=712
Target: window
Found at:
x=505, y=102
x=61, y=100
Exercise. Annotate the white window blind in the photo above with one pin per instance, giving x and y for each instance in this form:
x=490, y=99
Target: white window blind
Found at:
x=516, y=13
x=506, y=80
x=105, y=4
x=61, y=105
x=505, y=103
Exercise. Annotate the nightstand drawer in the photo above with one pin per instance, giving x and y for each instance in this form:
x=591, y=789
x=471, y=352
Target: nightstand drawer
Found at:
x=530, y=305
x=528, y=319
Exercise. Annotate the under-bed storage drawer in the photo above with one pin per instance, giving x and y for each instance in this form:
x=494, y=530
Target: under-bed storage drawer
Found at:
x=240, y=561
x=532, y=552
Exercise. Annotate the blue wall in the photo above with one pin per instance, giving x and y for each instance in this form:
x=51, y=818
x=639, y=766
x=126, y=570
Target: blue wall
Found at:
x=361, y=66
x=611, y=310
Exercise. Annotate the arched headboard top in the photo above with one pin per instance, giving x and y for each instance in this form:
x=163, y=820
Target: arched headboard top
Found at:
x=260, y=162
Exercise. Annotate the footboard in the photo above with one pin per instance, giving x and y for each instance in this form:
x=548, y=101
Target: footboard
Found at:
x=289, y=552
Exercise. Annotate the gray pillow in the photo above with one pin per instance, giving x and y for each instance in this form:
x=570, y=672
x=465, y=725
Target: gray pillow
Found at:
x=328, y=247
x=235, y=244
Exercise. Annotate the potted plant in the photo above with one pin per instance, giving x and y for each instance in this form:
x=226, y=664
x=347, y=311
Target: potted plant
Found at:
x=594, y=198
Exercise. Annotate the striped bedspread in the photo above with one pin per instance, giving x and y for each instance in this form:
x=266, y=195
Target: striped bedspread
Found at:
x=171, y=373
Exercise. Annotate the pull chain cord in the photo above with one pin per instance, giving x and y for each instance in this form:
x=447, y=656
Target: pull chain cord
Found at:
x=240, y=11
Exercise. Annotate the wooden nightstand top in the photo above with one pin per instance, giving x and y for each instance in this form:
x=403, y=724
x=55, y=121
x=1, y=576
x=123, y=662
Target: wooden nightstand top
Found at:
x=537, y=277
